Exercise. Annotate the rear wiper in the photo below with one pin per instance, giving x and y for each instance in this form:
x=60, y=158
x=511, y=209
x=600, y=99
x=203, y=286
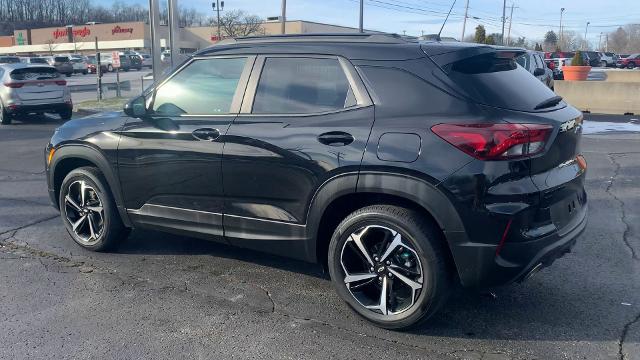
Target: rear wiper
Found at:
x=552, y=101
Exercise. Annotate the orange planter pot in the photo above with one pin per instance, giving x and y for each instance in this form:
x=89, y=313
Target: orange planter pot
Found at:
x=576, y=73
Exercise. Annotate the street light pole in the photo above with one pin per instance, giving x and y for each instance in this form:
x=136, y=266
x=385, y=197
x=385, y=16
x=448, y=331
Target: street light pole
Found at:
x=560, y=32
x=464, y=22
x=361, y=26
x=283, y=19
x=584, y=46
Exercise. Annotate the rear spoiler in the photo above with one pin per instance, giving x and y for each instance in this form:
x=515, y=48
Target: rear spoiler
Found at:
x=447, y=54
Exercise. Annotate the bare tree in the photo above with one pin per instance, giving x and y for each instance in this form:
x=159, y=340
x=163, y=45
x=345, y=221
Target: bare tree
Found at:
x=50, y=45
x=238, y=23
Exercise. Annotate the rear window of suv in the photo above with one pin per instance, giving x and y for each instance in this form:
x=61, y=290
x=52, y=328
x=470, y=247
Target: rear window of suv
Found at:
x=38, y=61
x=34, y=73
x=61, y=59
x=498, y=81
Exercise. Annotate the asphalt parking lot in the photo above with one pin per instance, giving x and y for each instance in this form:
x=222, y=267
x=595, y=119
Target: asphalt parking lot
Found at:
x=164, y=296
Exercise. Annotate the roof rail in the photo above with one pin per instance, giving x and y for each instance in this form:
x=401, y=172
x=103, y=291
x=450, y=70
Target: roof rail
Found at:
x=319, y=37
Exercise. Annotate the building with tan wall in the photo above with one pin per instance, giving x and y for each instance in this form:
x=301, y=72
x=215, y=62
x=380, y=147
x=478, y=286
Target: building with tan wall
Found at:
x=133, y=36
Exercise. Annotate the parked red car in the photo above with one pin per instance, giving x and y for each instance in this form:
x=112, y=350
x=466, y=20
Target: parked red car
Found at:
x=630, y=62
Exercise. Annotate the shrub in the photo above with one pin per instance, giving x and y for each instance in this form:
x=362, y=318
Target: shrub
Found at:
x=578, y=59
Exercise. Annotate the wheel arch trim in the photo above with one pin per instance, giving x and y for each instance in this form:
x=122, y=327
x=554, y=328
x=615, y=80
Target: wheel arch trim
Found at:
x=96, y=157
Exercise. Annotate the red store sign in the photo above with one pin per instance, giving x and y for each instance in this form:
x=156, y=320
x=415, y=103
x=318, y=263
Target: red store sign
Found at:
x=84, y=32
x=119, y=30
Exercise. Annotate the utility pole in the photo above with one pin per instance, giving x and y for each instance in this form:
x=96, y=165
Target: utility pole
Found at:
x=361, y=26
x=154, y=22
x=560, y=32
x=217, y=7
x=606, y=43
x=174, y=29
x=510, y=22
x=464, y=22
x=600, y=41
x=283, y=19
x=98, y=72
x=504, y=17
x=584, y=45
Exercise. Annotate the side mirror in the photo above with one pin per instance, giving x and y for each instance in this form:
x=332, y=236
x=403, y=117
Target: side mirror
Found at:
x=538, y=72
x=136, y=107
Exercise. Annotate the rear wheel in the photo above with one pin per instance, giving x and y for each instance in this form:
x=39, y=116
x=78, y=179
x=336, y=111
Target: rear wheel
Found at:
x=66, y=114
x=603, y=63
x=5, y=117
x=88, y=210
x=388, y=264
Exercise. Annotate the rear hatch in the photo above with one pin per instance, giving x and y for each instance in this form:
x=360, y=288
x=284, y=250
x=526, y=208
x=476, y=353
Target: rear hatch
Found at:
x=37, y=84
x=489, y=76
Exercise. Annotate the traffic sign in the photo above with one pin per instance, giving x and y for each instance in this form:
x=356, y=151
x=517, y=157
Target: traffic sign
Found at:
x=115, y=56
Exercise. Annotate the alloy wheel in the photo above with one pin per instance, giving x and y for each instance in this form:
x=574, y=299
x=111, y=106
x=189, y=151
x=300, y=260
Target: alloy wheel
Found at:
x=84, y=212
x=382, y=270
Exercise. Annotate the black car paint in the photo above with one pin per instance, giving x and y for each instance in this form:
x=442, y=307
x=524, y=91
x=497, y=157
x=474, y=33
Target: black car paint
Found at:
x=256, y=186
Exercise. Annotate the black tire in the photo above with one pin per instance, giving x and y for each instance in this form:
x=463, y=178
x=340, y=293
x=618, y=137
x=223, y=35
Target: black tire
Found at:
x=5, y=117
x=69, y=74
x=113, y=231
x=425, y=238
x=631, y=65
x=66, y=114
x=85, y=72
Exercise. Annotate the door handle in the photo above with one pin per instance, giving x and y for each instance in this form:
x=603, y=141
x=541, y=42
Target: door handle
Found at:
x=336, y=138
x=206, y=134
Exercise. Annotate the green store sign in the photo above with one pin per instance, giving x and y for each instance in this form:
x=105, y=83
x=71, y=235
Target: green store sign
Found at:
x=20, y=39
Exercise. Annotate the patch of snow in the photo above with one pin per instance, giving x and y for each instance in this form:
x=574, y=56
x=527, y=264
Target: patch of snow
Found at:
x=598, y=127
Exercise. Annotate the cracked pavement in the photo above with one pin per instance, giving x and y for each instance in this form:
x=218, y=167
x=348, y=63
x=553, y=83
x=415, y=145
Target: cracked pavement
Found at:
x=164, y=296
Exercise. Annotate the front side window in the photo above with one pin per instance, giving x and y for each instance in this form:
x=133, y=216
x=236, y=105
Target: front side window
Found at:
x=302, y=86
x=204, y=87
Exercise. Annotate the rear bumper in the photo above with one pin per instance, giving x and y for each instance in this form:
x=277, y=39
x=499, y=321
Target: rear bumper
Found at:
x=516, y=260
x=29, y=108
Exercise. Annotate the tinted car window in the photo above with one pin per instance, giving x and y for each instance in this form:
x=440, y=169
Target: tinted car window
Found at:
x=492, y=80
x=38, y=61
x=523, y=60
x=205, y=87
x=34, y=73
x=61, y=59
x=301, y=86
x=9, y=60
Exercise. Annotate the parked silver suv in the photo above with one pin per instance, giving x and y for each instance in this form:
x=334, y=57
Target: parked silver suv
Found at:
x=28, y=89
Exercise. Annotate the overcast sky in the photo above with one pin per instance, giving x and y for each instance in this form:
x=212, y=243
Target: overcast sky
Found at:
x=531, y=18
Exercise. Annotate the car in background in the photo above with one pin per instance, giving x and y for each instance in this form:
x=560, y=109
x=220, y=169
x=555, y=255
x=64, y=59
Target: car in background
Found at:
x=26, y=89
x=630, y=62
x=135, y=61
x=34, y=60
x=533, y=62
x=594, y=58
x=146, y=60
x=91, y=65
x=9, y=59
x=125, y=63
x=80, y=65
x=608, y=59
x=62, y=63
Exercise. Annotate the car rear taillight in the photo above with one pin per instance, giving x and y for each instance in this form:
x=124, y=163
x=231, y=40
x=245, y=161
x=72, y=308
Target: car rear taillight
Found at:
x=495, y=141
x=61, y=82
x=13, y=85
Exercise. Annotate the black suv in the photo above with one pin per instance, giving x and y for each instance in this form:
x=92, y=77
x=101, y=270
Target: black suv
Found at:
x=401, y=166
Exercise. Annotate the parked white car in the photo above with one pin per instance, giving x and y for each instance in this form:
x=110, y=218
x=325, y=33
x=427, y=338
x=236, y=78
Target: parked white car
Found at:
x=608, y=59
x=28, y=89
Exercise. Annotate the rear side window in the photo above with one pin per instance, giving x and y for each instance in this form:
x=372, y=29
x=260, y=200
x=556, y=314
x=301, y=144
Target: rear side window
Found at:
x=497, y=81
x=38, y=61
x=34, y=73
x=302, y=86
x=523, y=60
x=204, y=87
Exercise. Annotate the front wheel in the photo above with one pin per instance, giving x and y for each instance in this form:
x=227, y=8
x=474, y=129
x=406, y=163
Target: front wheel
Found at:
x=88, y=210
x=5, y=117
x=389, y=265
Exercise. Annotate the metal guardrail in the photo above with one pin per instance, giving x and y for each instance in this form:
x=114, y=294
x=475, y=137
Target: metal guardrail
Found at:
x=124, y=86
